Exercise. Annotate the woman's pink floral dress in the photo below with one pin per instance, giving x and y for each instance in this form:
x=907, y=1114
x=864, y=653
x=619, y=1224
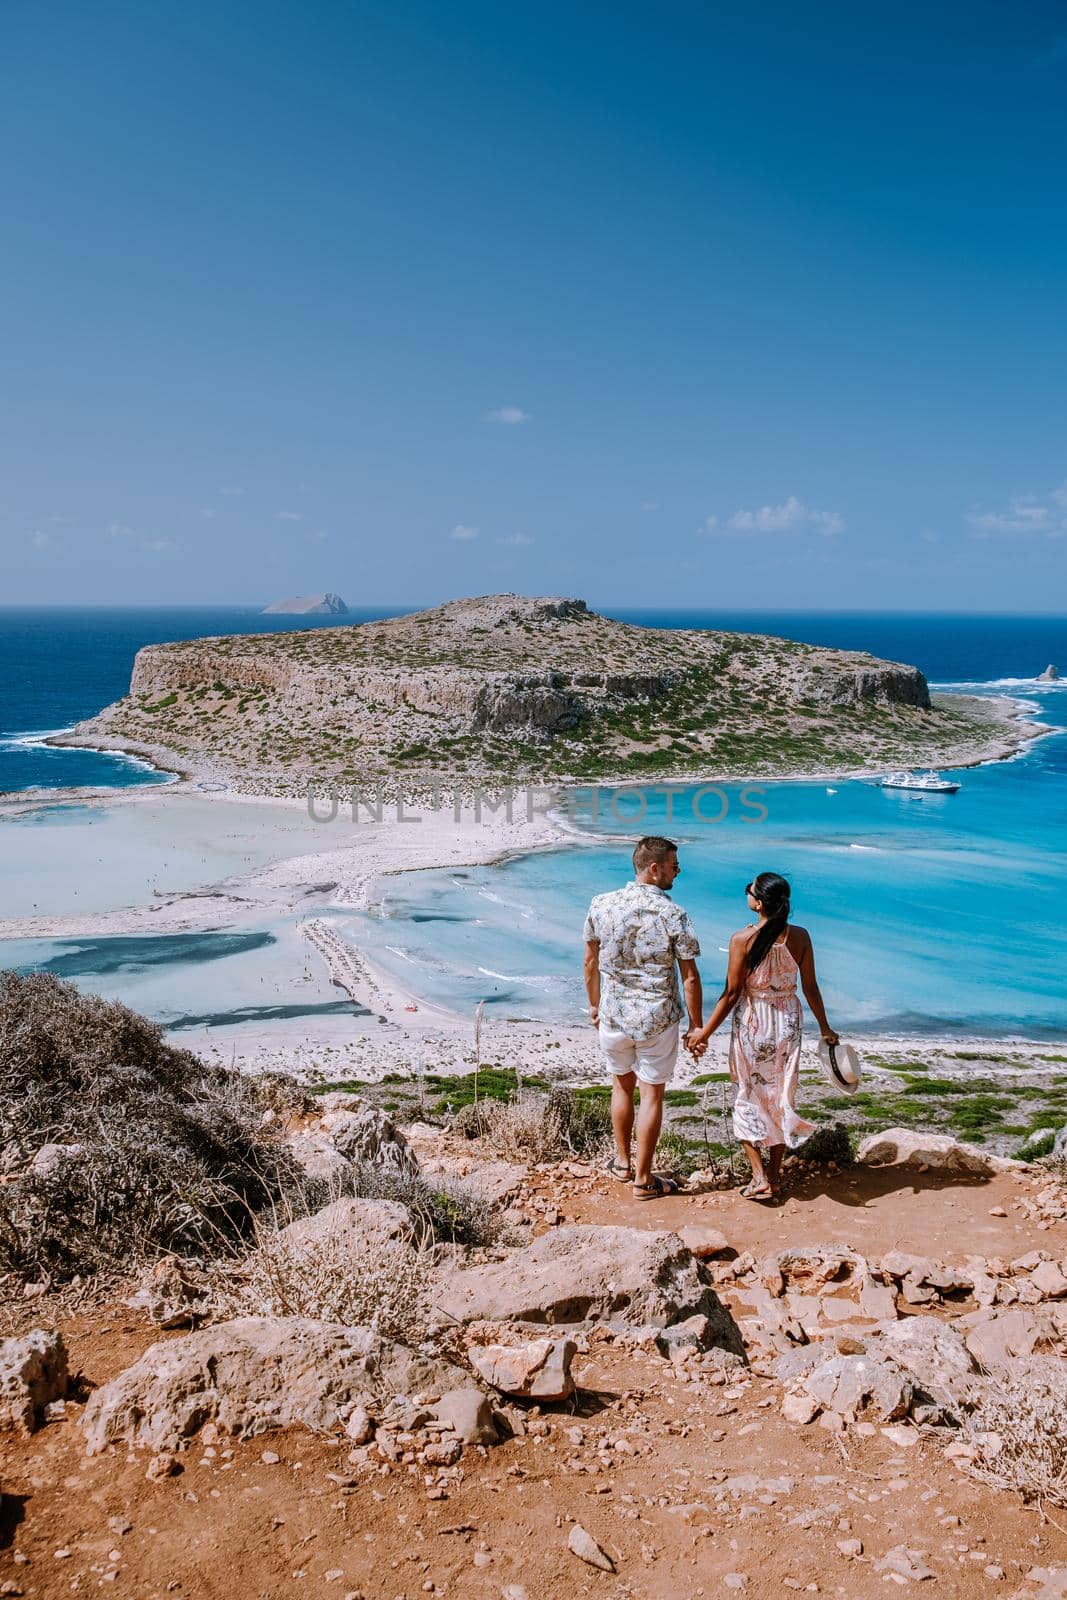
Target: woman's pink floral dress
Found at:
x=765, y=1053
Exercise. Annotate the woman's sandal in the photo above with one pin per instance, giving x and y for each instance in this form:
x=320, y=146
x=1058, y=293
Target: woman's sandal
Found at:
x=615, y=1169
x=656, y=1188
x=754, y=1190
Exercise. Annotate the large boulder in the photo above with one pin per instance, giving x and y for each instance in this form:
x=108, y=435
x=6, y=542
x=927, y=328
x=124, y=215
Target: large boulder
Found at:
x=367, y=1135
x=253, y=1374
x=580, y=1273
x=33, y=1372
x=858, y=1385
x=999, y=1339
x=926, y=1152
x=350, y=1226
x=932, y=1352
x=533, y=1369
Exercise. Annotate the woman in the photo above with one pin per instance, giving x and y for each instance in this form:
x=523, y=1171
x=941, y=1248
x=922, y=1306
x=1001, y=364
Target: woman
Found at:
x=761, y=991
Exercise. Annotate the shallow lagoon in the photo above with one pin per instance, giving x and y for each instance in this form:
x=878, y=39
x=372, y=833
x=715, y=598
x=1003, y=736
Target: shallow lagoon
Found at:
x=930, y=913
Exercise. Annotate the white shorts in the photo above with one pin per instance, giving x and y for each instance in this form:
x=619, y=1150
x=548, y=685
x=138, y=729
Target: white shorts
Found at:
x=652, y=1059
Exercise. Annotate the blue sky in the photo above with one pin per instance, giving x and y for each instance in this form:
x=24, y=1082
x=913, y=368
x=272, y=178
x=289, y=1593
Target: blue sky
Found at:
x=695, y=304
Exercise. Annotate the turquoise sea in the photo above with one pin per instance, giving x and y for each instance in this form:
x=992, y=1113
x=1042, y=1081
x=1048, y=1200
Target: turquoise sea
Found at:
x=931, y=914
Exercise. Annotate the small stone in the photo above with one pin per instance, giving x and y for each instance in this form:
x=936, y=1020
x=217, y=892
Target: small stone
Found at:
x=63, y=1554
x=270, y=1458
x=584, y=1546
x=443, y=1452
x=1048, y=1278
x=736, y=1580
x=163, y=1465
x=997, y=1211
x=851, y=1548
x=907, y=1565
x=359, y=1427
x=482, y=1558
x=800, y=1408
x=995, y=1573
x=901, y=1436
x=334, y=1575
x=514, y=1591
x=120, y=1524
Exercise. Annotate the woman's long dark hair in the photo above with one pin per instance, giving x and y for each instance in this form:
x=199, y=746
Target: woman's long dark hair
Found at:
x=773, y=892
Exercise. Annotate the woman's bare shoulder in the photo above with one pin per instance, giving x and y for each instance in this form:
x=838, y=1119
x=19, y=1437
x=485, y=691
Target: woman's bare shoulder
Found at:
x=798, y=937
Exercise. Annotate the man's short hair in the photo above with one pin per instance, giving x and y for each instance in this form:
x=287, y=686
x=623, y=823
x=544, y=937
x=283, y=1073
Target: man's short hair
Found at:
x=652, y=848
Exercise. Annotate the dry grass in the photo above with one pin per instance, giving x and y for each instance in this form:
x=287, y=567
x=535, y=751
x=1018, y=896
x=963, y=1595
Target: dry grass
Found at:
x=537, y=1127
x=332, y=1278
x=1020, y=1430
x=164, y=1153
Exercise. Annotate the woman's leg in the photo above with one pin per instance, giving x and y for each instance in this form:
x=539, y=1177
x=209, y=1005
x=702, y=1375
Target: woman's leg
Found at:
x=755, y=1161
x=775, y=1156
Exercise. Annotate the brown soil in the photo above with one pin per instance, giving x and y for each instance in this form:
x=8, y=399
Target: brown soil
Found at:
x=661, y=1503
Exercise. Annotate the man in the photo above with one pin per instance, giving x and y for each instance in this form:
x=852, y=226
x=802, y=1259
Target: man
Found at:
x=636, y=939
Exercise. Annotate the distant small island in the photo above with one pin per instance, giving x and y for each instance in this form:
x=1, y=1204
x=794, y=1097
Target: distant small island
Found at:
x=312, y=605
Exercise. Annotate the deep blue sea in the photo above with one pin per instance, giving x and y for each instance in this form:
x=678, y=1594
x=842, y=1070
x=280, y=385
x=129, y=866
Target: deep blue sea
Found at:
x=931, y=914
x=60, y=664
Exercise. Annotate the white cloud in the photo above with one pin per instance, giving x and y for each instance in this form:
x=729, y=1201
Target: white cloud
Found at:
x=208, y=511
x=507, y=414
x=463, y=533
x=231, y=489
x=1042, y=515
x=792, y=516
x=320, y=533
x=40, y=540
x=143, y=541
x=516, y=539
x=290, y=516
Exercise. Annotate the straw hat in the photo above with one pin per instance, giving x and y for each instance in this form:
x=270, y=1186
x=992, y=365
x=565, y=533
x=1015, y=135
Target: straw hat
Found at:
x=840, y=1065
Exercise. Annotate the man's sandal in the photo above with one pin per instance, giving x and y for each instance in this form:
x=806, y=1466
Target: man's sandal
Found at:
x=655, y=1188
x=755, y=1190
x=615, y=1169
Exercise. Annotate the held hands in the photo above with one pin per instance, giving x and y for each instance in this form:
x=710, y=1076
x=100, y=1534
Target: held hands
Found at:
x=696, y=1042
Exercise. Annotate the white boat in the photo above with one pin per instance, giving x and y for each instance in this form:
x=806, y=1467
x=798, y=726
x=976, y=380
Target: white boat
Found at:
x=925, y=782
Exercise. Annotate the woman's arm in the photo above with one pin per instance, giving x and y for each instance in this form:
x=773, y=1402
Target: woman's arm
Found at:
x=812, y=992
x=732, y=990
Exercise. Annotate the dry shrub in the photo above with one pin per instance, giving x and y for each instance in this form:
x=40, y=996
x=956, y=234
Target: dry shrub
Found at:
x=446, y=1210
x=332, y=1278
x=1019, y=1427
x=538, y=1127
x=831, y=1142
x=167, y=1152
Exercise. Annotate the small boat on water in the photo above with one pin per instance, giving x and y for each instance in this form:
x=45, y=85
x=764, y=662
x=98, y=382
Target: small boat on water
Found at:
x=925, y=782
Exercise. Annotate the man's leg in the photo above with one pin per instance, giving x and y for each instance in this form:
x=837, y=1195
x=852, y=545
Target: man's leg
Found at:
x=655, y=1068
x=649, y=1123
x=622, y=1115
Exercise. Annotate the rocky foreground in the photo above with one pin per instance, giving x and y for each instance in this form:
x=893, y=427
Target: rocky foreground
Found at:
x=503, y=689
x=864, y=1386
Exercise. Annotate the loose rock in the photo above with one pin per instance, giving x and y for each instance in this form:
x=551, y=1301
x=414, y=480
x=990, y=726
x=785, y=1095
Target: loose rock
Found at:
x=584, y=1546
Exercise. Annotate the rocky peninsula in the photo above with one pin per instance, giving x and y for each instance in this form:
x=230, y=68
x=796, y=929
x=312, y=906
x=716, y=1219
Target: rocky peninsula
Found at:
x=504, y=689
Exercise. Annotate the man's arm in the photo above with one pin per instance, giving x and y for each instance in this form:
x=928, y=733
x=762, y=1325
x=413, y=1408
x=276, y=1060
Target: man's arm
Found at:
x=592, y=979
x=694, y=997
